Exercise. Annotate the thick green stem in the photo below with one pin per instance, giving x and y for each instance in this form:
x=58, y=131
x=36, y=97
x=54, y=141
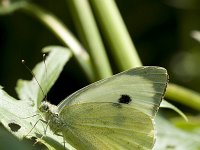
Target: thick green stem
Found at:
x=183, y=96
x=116, y=33
x=90, y=36
x=64, y=35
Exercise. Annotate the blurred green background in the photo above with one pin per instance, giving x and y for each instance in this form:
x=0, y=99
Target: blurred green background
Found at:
x=161, y=31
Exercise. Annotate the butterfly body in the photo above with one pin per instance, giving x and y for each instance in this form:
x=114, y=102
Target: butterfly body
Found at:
x=50, y=113
x=114, y=113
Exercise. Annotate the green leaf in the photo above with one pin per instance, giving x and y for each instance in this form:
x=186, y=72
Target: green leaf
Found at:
x=170, y=137
x=17, y=115
x=165, y=104
x=46, y=77
x=193, y=125
x=9, y=142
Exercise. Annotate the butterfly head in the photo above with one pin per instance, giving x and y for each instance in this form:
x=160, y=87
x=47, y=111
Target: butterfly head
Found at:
x=48, y=108
x=44, y=107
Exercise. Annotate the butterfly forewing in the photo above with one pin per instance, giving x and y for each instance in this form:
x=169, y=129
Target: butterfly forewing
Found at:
x=144, y=87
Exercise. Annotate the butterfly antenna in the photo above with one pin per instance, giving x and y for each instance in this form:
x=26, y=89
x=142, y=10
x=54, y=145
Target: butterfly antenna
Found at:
x=23, y=62
x=44, y=57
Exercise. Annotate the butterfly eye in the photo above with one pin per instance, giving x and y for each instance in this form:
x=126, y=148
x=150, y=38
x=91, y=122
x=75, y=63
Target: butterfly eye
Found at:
x=44, y=107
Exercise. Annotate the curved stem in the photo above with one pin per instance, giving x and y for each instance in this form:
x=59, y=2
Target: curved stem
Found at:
x=64, y=35
x=115, y=31
x=90, y=36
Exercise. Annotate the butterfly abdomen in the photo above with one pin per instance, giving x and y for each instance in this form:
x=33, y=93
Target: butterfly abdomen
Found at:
x=55, y=123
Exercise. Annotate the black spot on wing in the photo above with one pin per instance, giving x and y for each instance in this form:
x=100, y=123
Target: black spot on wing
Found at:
x=125, y=99
x=14, y=127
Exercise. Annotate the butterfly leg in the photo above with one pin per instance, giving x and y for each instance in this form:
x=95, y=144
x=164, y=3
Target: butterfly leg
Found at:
x=60, y=135
x=34, y=127
x=30, y=116
x=64, y=143
x=45, y=130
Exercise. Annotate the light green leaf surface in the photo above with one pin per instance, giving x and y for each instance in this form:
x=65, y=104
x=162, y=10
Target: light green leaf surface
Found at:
x=15, y=112
x=170, y=137
x=54, y=65
x=193, y=125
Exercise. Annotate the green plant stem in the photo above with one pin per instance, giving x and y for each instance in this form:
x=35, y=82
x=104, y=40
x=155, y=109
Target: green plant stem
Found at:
x=64, y=35
x=183, y=96
x=90, y=36
x=114, y=30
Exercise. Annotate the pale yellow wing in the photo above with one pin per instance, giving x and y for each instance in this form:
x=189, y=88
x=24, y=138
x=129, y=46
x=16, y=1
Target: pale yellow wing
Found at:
x=107, y=126
x=115, y=113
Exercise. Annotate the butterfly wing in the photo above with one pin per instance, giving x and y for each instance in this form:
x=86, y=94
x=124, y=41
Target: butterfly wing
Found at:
x=107, y=126
x=115, y=113
x=142, y=88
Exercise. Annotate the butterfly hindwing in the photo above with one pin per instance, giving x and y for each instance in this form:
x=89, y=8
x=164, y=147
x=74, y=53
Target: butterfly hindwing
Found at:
x=106, y=125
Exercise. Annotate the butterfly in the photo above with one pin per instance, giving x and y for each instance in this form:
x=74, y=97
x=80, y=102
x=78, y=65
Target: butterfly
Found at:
x=113, y=113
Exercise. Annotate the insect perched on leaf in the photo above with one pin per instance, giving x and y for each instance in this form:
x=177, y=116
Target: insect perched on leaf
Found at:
x=114, y=113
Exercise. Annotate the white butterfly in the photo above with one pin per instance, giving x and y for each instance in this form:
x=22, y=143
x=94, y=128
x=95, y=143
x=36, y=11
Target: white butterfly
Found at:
x=114, y=113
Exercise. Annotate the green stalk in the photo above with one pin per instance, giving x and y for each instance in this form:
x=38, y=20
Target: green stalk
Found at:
x=90, y=36
x=64, y=35
x=116, y=33
x=183, y=96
